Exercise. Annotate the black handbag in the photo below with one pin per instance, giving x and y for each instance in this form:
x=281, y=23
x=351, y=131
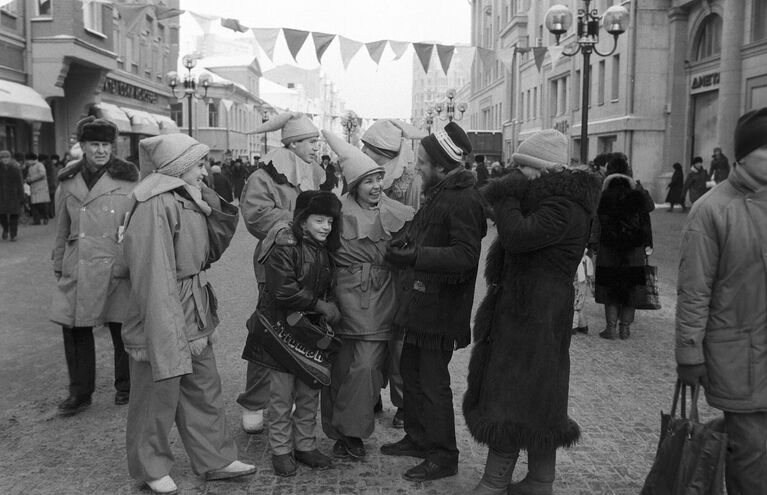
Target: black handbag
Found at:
x=691, y=455
x=295, y=347
x=648, y=295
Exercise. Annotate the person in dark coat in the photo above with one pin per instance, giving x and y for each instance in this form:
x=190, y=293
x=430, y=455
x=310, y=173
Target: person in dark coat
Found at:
x=221, y=184
x=239, y=174
x=624, y=240
x=11, y=195
x=437, y=254
x=720, y=166
x=675, y=188
x=519, y=370
x=330, y=174
x=482, y=173
x=696, y=181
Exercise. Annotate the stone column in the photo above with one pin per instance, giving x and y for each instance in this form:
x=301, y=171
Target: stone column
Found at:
x=730, y=74
x=676, y=139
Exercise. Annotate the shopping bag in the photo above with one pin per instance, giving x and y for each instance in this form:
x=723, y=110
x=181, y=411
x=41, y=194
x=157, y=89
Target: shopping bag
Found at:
x=648, y=295
x=690, y=456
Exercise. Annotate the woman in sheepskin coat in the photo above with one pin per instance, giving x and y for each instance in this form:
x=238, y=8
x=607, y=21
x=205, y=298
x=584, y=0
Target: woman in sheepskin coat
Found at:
x=520, y=365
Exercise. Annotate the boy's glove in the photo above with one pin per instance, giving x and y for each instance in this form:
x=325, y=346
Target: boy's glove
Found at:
x=692, y=374
x=402, y=256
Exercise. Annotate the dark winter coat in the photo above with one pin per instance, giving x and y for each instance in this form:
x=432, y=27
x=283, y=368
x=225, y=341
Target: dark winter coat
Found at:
x=298, y=273
x=519, y=371
x=437, y=293
x=720, y=168
x=675, y=187
x=620, y=269
x=695, y=184
x=222, y=186
x=11, y=189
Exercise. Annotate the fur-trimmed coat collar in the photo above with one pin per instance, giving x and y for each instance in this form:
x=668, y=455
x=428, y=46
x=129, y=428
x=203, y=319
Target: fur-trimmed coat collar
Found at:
x=117, y=168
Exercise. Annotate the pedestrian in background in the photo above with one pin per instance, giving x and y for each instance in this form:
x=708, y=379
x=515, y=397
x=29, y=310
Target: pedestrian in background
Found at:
x=221, y=184
x=437, y=255
x=178, y=228
x=330, y=174
x=695, y=184
x=481, y=170
x=721, y=324
x=675, y=188
x=720, y=166
x=269, y=197
x=624, y=234
x=38, y=186
x=519, y=373
x=365, y=291
x=92, y=278
x=53, y=166
x=239, y=175
x=11, y=196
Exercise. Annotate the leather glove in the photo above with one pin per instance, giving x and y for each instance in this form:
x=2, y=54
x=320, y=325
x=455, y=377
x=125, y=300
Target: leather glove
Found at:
x=57, y=274
x=402, y=256
x=329, y=310
x=692, y=374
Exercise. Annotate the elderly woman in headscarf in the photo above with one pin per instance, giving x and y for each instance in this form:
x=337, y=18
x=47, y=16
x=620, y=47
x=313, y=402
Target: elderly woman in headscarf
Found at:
x=269, y=197
x=365, y=294
x=177, y=229
x=388, y=143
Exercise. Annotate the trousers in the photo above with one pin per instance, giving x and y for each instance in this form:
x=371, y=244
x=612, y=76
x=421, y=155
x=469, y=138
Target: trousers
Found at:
x=194, y=403
x=80, y=352
x=429, y=418
x=355, y=382
x=10, y=223
x=746, y=464
x=256, y=394
x=288, y=431
x=393, y=372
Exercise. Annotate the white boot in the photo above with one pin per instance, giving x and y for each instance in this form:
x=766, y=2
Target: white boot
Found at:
x=252, y=421
x=233, y=470
x=163, y=486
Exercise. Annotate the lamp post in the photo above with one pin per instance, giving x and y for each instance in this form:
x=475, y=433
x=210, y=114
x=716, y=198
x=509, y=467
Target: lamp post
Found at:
x=265, y=118
x=429, y=119
x=349, y=122
x=448, y=109
x=190, y=85
x=614, y=20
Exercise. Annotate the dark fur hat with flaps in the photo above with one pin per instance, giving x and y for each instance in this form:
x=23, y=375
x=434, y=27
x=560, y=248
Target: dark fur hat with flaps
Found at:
x=447, y=146
x=93, y=129
x=319, y=203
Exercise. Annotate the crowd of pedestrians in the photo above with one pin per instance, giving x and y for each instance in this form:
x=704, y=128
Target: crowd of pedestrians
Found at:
x=365, y=273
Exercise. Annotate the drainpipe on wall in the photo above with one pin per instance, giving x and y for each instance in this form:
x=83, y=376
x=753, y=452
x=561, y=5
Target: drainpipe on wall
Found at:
x=631, y=91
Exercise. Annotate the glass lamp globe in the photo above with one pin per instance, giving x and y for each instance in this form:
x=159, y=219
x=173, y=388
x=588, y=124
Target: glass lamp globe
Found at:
x=171, y=78
x=188, y=61
x=204, y=80
x=615, y=20
x=559, y=19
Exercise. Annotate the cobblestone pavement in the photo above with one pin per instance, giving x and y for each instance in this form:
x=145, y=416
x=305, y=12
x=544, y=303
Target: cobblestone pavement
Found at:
x=617, y=391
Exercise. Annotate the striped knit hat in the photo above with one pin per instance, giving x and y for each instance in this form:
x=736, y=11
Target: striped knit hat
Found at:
x=448, y=146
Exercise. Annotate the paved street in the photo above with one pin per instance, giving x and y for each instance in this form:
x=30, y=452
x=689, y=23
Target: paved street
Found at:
x=617, y=391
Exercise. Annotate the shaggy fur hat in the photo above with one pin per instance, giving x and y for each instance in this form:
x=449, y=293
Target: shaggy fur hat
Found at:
x=318, y=203
x=750, y=132
x=447, y=147
x=543, y=150
x=93, y=129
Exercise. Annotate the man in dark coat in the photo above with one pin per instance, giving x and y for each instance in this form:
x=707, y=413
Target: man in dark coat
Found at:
x=221, y=184
x=720, y=166
x=696, y=181
x=11, y=195
x=437, y=254
x=520, y=365
x=331, y=180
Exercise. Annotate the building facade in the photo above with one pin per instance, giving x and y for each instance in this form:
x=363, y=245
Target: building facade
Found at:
x=429, y=88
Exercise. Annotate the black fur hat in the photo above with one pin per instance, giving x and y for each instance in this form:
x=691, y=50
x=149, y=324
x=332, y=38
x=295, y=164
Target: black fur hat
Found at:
x=93, y=129
x=319, y=203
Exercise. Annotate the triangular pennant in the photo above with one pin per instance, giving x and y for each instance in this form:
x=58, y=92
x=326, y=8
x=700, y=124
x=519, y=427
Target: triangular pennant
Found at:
x=487, y=56
x=399, y=48
x=204, y=21
x=131, y=13
x=423, y=50
x=295, y=39
x=349, y=48
x=321, y=43
x=445, y=54
x=506, y=56
x=234, y=25
x=539, y=52
x=375, y=49
x=556, y=53
x=266, y=39
x=466, y=53
x=166, y=12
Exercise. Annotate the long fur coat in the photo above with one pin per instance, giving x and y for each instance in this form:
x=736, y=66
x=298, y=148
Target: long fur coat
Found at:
x=519, y=371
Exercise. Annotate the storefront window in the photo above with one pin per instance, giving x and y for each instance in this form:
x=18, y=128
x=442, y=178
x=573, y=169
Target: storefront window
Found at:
x=7, y=136
x=708, y=42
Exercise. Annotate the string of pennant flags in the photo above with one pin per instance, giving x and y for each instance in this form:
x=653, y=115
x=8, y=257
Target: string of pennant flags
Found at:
x=295, y=40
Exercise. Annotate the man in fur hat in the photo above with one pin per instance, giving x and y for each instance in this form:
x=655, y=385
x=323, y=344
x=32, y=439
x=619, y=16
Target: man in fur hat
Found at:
x=437, y=254
x=92, y=286
x=269, y=197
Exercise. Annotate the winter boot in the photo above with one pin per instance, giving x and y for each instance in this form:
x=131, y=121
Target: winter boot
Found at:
x=609, y=332
x=498, y=470
x=541, y=466
x=625, y=331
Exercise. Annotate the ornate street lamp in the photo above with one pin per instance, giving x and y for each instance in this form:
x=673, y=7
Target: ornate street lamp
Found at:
x=429, y=119
x=446, y=110
x=265, y=118
x=349, y=122
x=614, y=20
x=190, y=85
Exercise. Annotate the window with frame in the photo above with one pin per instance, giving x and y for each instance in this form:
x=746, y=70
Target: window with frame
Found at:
x=177, y=113
x=601, y=83
x=93, y=17
x=212, y=114
x=577, y=90
x=44, y=8
x=708, y=41
x=759, y=16
x=616, y=78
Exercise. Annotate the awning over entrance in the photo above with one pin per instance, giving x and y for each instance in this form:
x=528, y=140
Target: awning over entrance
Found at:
x=113, y=114
x=167, y=125
x=22, y=102
x=142, y=122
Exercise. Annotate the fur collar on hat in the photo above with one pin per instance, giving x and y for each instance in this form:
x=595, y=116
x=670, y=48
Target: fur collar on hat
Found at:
x=577, y=186
x=117, y=168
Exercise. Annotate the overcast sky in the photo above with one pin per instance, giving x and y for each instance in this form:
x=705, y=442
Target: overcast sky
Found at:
x=371, y=91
